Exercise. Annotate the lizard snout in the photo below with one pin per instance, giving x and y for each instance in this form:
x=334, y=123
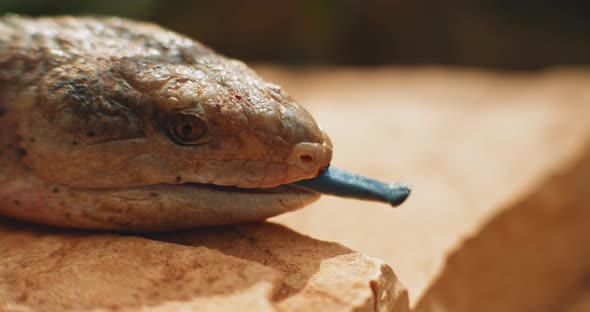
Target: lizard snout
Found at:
x=307, y=160
x=310, y=157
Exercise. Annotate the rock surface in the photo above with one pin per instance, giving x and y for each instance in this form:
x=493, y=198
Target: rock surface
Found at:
x=529, y=256
x=499, y=219
x=579, y=302
x=257, y=267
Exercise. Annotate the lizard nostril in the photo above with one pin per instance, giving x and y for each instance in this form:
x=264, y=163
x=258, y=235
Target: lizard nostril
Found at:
x=309, y=157
x=306, y=158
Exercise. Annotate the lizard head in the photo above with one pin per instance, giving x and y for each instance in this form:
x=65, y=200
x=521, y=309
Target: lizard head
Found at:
x=114, y=124
x=142, y=121
x=128, y=126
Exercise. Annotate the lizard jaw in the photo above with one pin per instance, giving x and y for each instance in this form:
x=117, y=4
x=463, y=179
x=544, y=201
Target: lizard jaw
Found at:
x=151, y=208
x=179, y=206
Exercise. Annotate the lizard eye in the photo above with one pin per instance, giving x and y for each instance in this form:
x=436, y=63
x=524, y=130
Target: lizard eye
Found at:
x=187, y=129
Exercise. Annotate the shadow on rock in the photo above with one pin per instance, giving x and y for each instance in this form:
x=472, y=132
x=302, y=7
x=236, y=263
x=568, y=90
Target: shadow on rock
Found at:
x=259, y=266
x=297, y=256
x=49, y=269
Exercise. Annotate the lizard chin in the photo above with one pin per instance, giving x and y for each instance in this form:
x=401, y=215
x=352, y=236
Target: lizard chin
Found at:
x=151, y=208
x=164, y=207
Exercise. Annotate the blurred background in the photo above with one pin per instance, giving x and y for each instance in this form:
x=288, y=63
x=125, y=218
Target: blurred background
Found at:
x=499, y=34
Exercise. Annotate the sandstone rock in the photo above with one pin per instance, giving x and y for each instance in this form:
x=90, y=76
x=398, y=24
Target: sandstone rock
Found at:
x=529, y=256
x=316, y=274
x=257, y=267
x=499, y=219
x=579, y=302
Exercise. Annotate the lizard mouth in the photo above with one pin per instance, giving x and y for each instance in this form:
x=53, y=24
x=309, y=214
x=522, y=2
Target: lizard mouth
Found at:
x=286, y=188
x=163, y=207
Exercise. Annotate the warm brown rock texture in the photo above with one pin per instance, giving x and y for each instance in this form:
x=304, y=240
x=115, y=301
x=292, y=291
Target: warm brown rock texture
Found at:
x=499, y=219
x=529, y=256
x=258, y=267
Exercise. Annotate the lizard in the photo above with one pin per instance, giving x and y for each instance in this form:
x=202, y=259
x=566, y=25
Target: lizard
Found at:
x=113, y=124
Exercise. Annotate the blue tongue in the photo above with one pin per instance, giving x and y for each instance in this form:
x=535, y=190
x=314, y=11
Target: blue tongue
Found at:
x=342, y=183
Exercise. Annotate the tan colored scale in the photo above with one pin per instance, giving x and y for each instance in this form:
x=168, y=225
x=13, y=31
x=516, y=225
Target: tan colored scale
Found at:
x=107, y=123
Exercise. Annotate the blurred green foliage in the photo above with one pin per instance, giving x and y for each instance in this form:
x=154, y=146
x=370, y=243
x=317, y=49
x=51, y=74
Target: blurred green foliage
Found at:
x=524, y=34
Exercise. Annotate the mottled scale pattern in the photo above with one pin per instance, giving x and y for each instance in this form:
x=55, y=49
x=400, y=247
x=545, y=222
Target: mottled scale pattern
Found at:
x=90, y=106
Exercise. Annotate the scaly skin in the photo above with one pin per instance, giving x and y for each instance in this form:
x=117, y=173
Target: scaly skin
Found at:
x=104, y=122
